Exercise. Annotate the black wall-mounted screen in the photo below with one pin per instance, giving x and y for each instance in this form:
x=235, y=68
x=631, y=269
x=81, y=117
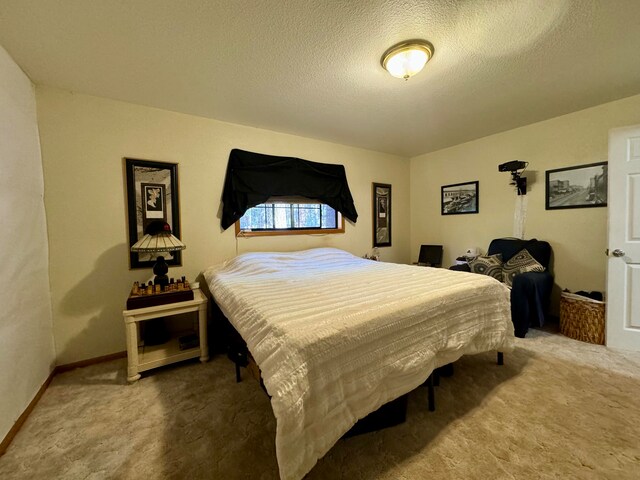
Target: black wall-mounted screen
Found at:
x=430, y=255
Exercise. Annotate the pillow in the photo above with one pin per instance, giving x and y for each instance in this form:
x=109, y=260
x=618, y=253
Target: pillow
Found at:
x=521, y=262
x=491, y=265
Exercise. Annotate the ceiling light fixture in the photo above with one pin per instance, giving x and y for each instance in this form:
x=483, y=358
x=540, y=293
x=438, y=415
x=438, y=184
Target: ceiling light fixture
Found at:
x=405, y=59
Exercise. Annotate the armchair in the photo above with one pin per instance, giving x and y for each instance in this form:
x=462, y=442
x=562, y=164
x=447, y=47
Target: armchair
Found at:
x=531, y=291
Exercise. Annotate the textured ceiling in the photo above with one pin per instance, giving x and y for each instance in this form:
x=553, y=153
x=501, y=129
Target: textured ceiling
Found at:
x=312, y=68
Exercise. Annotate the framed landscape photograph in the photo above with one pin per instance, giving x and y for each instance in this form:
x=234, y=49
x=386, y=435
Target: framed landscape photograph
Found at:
x=582, y=186
x=381, y=215
x=152, y=194
x=459, y=198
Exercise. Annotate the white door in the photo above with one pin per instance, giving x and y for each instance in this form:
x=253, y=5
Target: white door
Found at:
x=623, y=270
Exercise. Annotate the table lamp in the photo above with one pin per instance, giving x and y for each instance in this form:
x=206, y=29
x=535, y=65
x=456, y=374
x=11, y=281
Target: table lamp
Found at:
x=158, y=239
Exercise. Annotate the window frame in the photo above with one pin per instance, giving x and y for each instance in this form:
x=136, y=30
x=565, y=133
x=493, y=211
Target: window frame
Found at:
x=291, y=231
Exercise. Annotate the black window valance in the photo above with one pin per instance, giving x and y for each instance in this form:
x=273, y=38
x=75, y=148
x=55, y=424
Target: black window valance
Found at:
x=253, y=177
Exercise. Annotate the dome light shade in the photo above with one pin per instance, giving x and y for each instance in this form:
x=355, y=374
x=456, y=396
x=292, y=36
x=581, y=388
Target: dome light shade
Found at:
x=406, y=59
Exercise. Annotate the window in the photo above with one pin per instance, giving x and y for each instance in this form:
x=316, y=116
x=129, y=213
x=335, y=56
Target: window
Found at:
x=289, y=216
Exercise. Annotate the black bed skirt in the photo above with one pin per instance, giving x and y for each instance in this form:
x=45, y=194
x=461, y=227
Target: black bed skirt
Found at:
x=388, y=415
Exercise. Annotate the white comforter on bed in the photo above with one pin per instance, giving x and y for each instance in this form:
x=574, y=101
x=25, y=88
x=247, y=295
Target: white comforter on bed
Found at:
x=337, y=336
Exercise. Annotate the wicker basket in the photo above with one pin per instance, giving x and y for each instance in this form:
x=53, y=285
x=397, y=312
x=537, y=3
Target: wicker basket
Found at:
x=582, y=318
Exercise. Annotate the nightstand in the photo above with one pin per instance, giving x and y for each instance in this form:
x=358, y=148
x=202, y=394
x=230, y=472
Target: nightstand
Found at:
x=141, y=358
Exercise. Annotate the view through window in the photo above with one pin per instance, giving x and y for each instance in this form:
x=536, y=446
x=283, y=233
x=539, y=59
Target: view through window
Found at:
x=289, y=216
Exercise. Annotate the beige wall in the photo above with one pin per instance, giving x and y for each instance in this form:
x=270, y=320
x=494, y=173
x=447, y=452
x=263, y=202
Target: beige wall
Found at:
x=84, y=139
x=578, y=236
x=26, y=335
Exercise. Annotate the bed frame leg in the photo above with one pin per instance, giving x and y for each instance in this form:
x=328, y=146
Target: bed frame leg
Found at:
x=238, y=378
x=500, y=358
x=431, y=393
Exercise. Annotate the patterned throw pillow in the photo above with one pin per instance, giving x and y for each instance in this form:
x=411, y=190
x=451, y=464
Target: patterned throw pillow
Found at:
x=521, y=262
x=491, y=265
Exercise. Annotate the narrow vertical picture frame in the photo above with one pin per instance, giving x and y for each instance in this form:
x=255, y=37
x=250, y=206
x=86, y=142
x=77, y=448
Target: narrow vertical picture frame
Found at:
x=152, y=194
x=381, y=214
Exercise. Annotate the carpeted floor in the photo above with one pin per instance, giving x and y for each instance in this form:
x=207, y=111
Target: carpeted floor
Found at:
x=558, y=409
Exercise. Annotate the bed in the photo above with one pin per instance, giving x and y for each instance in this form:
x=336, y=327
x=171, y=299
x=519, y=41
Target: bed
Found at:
x=337, y=336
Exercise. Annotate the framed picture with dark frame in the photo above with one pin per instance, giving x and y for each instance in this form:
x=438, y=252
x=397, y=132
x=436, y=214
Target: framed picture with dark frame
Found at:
x=152, y=194
x=582, y=186
x=381, y=215
x=459, y=198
